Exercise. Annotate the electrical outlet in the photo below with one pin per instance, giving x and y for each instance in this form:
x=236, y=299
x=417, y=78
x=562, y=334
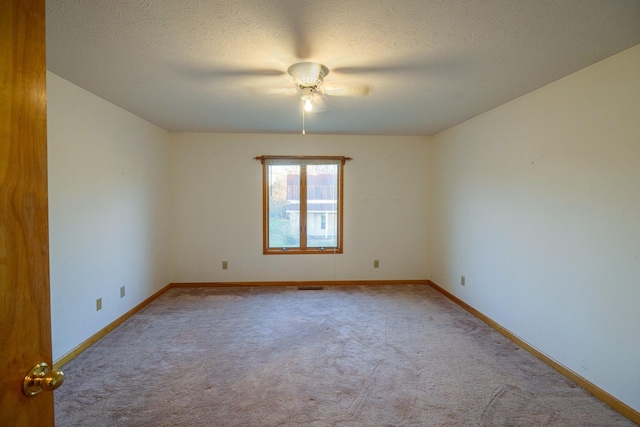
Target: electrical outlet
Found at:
x=225, y=265
x=376, y=263
x=121, y=291
x=462, y=280
x=99, y=304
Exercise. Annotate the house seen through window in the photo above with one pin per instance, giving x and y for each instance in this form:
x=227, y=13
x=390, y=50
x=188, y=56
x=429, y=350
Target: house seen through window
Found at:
x=302, y=204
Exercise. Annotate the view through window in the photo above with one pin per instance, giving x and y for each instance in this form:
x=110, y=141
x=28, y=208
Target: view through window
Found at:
x=302, y=204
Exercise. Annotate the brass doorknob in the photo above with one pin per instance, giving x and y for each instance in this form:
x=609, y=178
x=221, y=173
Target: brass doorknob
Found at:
x=41, y=377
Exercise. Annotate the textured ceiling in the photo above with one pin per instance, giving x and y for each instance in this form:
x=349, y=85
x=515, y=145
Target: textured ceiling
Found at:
x=202, y=65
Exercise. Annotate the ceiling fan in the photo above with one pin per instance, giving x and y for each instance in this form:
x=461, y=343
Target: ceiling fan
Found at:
x=308, y=81
x=308, y=78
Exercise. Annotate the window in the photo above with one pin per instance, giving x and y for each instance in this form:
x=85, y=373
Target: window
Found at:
x=302, y=204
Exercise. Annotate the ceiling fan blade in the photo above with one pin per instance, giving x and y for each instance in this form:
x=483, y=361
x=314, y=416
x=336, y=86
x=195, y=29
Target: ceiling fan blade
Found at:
x=435, y=64
x=319, y=104
x=275, y=91
x=297, y=18
x=347, y=90
x=247, y=72
x=402, y=66
x=206, y=71
x=302, y=46
x=367, y=70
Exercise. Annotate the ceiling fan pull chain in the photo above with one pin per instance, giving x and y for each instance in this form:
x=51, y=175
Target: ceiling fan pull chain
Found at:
x=303, y=131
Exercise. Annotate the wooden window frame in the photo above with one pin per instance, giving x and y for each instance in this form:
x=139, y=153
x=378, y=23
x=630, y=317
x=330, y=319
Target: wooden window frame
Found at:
x=301, y=161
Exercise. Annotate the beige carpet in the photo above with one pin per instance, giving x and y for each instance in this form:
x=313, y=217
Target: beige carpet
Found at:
x=342, y=356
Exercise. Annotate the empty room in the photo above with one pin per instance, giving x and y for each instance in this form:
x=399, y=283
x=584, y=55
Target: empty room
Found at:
x=296, y=213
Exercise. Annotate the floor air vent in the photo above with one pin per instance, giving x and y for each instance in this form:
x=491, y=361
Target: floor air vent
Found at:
x=310, y=288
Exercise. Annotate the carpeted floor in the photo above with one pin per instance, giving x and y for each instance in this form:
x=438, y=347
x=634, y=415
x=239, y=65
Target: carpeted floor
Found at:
x=342, y=356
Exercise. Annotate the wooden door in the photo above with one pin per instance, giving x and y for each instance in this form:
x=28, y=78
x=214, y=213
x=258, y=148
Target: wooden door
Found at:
x=25, y=322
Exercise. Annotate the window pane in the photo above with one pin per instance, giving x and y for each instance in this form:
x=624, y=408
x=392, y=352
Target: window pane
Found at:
x=303, y=204
x=284, y=206
x=322, y=206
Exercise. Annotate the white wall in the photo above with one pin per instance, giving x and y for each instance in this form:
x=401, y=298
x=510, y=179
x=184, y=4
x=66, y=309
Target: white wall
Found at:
x=217, y=208
x=537, y=203
x=108, y=211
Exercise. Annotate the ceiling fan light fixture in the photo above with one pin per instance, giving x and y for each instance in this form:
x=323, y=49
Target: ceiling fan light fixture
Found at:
x=307, y=96
x=308, y=78
x=308, y=74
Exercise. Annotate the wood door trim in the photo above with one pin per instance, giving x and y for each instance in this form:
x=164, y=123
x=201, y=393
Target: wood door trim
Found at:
x=104, y=331
x=596, y=391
